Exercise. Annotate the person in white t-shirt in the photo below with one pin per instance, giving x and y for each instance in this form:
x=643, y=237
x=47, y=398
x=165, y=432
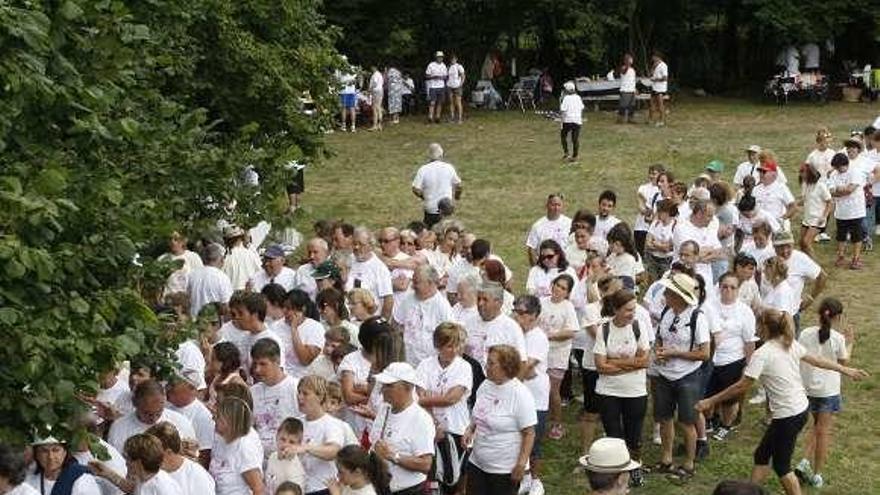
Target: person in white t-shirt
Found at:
x=53, y=462
x=241, y=261
x=360, y=473
x=554, y=225
x=817, y=205
x=748, y=168
x=283, y=466
x=248, y=312
x=301, y=335
x=13, y=472
x=659, y=89
x=274, y=271
x=776, y=365
x=820, y=157
x=571, y=110
x=148, y=399
x=527, y=310
x=435, y=181
x=191, y=476
x=659, y=247
x=801, y=270
x=496, y=327
x=368, y=272
x=621, y=356
x=403, y=432
x=274, y=394
x=559, y=321
x=377, y=95
x=771, y=195
x=143, y=457
x=208, y=283
x=237, y=459
x=183, y=397
x=777, y=292
x=435, y=82
x=648, y=196
x=455, y=79
x=550, y=264
x=627, y=106
x=605, y=218
x=178, y=252
x=823, y=387
x=322, y=435
x=502, y=430
x=419, y=313
x=845, y=184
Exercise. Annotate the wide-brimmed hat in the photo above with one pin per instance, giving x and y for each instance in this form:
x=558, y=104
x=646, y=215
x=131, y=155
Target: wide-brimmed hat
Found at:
x=782, y=238
x=683, y=285
x=608, y=455
x=754, y=148
x=399, y=372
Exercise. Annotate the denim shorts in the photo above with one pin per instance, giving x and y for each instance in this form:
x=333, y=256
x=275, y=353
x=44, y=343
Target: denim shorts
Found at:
x=348, y=100
x=540, y=429
x=825, y=404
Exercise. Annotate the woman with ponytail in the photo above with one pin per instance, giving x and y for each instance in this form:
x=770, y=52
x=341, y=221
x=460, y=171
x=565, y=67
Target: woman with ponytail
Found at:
x=823, y=387
x=360, y=473
x=776, y=365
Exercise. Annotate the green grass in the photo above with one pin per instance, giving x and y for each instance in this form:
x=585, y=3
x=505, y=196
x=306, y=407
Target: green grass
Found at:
x=509, y=162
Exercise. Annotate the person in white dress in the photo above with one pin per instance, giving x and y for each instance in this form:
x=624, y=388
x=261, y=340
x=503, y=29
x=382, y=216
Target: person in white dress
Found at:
x=776, y=365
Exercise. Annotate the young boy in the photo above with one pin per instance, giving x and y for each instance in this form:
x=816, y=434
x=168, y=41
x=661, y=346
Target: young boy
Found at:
x=333, y=405
x=605, y=220
x=282, y=464
x=846, y=186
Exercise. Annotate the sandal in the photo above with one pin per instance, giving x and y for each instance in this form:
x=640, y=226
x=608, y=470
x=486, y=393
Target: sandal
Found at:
x=856, y=265
x=659, y=468
x=682, y=474
x=841, y=261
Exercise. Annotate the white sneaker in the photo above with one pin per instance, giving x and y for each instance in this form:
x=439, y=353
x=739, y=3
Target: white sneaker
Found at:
x=657, y=440
x=877, y=230
x=823, y=237
x=525, y=485
x=537, y=487
x=817, y=481
x=759, y=398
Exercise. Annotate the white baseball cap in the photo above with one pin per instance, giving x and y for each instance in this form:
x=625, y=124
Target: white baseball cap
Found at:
x=399, y=372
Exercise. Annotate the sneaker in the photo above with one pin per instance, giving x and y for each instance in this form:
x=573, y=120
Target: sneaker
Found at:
x=804, y=471
x=759, y=398
x=823, y=237
x=817, y=481
x=657, y=440
x=536, y=488
x=869, y=245
x=702, y=450
x=557, y=431
x=722, y=433
x=636, y=478
x=710, y=425
x=525, y=485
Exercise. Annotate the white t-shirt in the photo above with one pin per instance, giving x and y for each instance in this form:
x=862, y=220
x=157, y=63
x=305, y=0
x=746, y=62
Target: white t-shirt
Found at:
x=439, y=380
x=419, y=319
x=193, y=479
x=311, y=333
x=436, y=180
x=773, y=199
x=502, y=330
x=161, y=484
x=537, y=348
x=554, y=318
x=409, y=432
x=286, y=278
x=628, y=81
x=675, y=368
x=455, y=76
x=116, y=462
x=84, y=485
x=852, y=205
x=661, y=71
x=229, y=461
x=706, y=238
x=623, y=265
x=377, y=82
x=318, y=432
x=737, y=323
x=501, y=412
x=816, y=196
x=591, y=317
x=305, y=281
x=539, y=280
x=129, y=425
x=622, y=344
x=661, y=232
x=438, y=72
x=280, y=470
x=603, y=225
x=572, y=108
x=240, y=265
x=781, y=298
x=373, y=276
x=821, y=161
x=272, y=405
x=112, y=395
x=207, y=285
x=244, y=341
x=778, y=370
x=747, y=168
x=357, y=365
x=819, y=382
x=651, y=194
x=544, y=229
x=25, y=489
x=800, y=269
x=810, y=52
x=202, y=420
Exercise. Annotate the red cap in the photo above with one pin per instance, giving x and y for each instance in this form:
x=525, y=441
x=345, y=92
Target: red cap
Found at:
x=769, y=166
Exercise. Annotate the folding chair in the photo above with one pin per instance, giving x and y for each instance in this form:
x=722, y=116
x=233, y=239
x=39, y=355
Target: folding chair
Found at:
x=523, y=93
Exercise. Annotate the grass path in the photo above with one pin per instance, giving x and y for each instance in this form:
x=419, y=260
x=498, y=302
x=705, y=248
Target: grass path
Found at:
x=509, y=162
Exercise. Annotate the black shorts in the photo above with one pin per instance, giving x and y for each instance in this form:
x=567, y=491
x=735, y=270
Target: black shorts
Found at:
x=778, y=443
x=853, y=227
x=658, y=93
x=725, y=376
x=297, y=184
x=592, y=400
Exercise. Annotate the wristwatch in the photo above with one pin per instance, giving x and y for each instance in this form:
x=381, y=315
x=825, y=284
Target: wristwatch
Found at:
x=396, y=458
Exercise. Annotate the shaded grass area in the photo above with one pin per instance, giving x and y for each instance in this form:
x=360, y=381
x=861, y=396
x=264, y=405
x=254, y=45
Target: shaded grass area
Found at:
x=509, y=162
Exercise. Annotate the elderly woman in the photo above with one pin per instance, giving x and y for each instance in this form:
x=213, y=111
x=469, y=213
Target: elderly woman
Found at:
x=361, y=304
x=58, y=473
x=237, y=457
x=551, y=262
x=503, y=427
x=403, y=432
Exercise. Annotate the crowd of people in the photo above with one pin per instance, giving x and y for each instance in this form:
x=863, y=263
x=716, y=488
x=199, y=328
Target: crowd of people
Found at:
x=399, y=360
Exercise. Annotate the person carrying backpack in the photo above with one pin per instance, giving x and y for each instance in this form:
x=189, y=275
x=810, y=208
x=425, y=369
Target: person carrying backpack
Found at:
x=682, y=345
x=621, y=356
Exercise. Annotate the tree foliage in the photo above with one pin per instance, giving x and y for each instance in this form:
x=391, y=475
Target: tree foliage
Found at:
x=121, y=121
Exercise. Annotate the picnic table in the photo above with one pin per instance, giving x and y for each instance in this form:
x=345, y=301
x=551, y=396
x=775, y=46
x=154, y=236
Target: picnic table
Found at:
x=596, y=91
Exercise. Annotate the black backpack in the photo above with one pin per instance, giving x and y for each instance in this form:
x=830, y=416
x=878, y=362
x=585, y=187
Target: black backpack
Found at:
x=606, y=327
x=692, y=324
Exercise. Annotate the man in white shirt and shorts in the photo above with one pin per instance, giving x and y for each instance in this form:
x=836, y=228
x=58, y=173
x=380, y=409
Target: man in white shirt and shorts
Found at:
x=659, y=88
x=435, y=81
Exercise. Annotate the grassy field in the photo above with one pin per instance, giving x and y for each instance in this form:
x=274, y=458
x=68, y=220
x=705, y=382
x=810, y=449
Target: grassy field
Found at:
x=509, y=162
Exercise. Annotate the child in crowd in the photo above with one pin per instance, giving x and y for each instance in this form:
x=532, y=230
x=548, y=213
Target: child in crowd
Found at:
x=334, y=407
x=323, y=365
x=658, y=245
x=283, y=465
x=288, y=488
x=647, y=196
x=360, y=473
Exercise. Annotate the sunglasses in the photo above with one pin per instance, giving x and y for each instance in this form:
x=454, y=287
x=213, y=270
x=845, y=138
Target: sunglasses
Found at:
x=521, y=312
x=547, y=256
